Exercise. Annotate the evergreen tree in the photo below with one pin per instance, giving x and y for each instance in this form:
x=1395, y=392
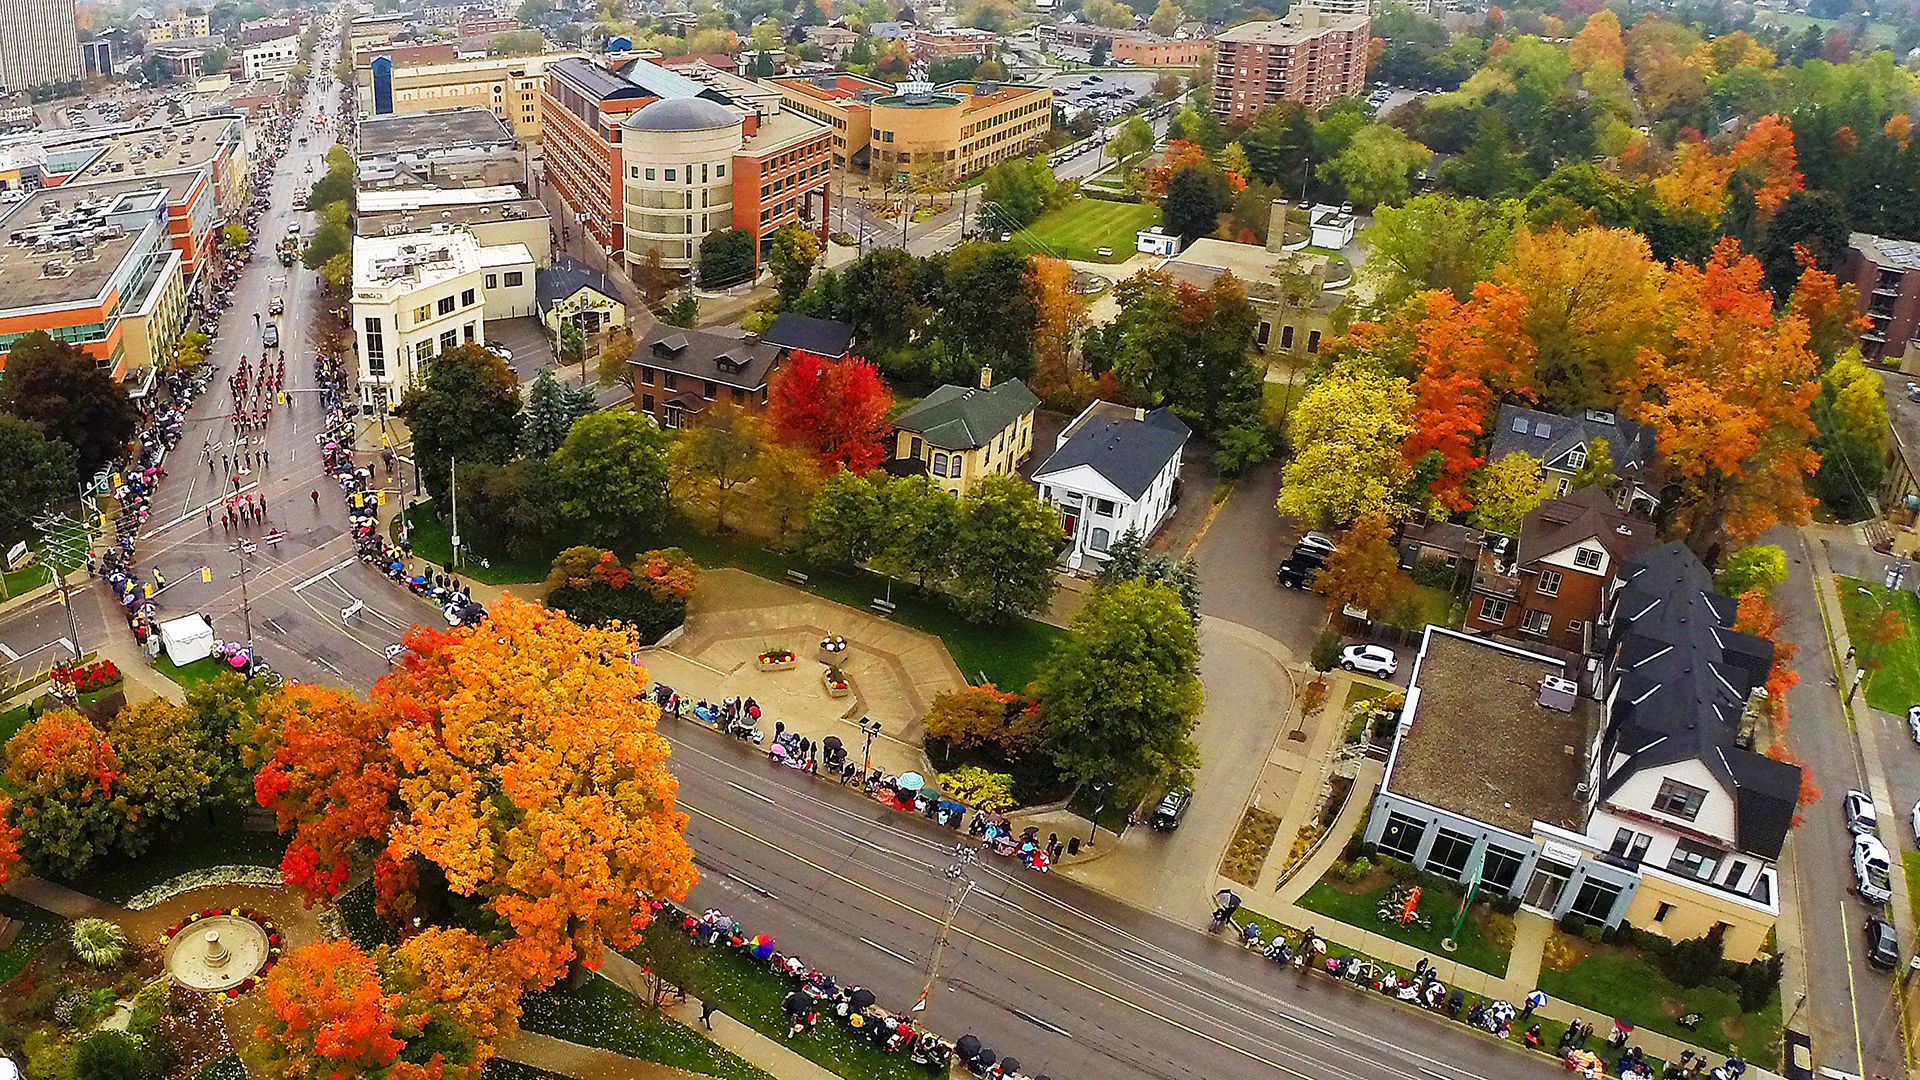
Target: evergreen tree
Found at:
x=552, y=407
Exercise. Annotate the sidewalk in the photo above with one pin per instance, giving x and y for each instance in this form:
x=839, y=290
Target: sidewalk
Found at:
x=758, y=1049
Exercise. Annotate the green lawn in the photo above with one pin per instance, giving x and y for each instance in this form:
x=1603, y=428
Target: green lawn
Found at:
x=1079, y=230
x=12, y=720
x=748, y=991
x=1878, y=33
x=31, y=576
x=1438, y=904
x=499, y=1068
x=1911, y=860
x=603, y=1015
x=1896, y=684
x=224, y=843
x=433, y=542
x=38, y=929
x=199, y=671
x=1006, y=655
x=1616, y=981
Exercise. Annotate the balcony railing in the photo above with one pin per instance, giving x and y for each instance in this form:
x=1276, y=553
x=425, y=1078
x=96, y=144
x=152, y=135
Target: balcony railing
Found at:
x=1490, y=576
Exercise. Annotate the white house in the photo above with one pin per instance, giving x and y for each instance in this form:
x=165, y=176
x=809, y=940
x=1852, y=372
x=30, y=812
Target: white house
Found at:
x=1332, y=226
x=1156, y=241
x=419, y=294
x=1111, y=470
x=270, y=59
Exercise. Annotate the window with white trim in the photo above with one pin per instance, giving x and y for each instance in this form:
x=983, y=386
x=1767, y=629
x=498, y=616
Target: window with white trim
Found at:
x=1536, y=621
x=1587, y=558
x=1549, y=583
x=1493, y=609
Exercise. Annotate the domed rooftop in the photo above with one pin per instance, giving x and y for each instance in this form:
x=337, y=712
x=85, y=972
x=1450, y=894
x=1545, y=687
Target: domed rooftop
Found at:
x=683, y=114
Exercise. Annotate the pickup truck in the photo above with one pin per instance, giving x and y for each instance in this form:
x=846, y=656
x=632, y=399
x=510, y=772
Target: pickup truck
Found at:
x=1871, y=869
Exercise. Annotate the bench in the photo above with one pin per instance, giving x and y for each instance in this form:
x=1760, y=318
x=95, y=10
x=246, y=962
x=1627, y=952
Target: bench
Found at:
x=796, y=577
x=884, y=607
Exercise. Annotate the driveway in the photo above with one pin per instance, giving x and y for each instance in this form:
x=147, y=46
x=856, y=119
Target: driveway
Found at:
x=1237, y=554
x=1249, y=694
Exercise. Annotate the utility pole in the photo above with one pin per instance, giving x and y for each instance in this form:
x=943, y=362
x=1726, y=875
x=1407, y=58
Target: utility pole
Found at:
x=959, y=885
x=453, y=494
x=53, y=525
x=241, y=549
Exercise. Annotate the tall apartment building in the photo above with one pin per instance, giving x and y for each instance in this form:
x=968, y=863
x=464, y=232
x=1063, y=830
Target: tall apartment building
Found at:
x=39, y=43
x=1887, y=273
x=1308, y=57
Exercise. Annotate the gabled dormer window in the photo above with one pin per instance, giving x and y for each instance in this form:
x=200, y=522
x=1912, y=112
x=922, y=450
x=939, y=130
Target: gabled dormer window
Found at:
x=1577, y=458
x=1679, y=800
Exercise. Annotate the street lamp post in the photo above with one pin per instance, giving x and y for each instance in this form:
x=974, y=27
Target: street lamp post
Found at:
x=1093, y=826
x=872, y=728
x=959, y=885
x=1896, y=573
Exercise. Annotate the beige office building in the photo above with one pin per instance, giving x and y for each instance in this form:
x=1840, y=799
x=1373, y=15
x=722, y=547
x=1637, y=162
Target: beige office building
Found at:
x=508, y=86
x=39, y=43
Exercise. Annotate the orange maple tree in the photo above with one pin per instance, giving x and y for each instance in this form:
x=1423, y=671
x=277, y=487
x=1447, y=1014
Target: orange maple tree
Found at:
x=329, y=1018
x=9, y=838
x=531, y=776
x=835, y=410
x=329, y=779
x=1757, y=616
x=1699, y=177
x=62, y=772
x=1468, y=354
x=448, y=979
x=1727, y=394
x=1830, y=308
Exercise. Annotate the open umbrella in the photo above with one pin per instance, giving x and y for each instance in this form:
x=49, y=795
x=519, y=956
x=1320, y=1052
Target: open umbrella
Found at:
x=912, y=781
x=1009, y=1065
x=778, y=750
x=861, y=999
x=968, y=1047
x=1623, y=1025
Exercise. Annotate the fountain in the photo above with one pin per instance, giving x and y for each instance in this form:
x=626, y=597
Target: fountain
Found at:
x=220, y=953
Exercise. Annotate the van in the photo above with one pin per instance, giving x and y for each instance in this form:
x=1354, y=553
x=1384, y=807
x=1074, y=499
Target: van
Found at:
x=1171, y=809
x=1300, y=569
x=270, y=337
x=1872, y=870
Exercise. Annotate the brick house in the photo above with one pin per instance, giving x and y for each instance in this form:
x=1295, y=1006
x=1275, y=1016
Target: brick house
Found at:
x=678, y=373
x=1548, y=586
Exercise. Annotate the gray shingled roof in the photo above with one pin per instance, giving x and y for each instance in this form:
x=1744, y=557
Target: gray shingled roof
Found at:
x=1127, y=452
x=703, y=354
x=821, y=337
x=1550, y=437
x=967, y=417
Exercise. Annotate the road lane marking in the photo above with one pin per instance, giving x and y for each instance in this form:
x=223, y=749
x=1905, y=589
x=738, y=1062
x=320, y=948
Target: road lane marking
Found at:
x=330, y=571
x=1853, y=1000
x=9, y=653
x=1037, y=1022
x=908, y=960
x=743, y=789
x=997, y=947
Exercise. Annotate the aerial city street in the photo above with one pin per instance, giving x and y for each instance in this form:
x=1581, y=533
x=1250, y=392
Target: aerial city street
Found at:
x=1138, y=540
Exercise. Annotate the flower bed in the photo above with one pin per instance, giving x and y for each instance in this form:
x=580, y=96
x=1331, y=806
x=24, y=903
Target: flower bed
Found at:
x=84, y=678
x=836, y=682
x=777, y=660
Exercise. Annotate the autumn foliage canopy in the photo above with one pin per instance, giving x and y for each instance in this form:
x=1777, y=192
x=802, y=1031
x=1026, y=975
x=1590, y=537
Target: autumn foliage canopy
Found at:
x=517, y=760
x=835, y=410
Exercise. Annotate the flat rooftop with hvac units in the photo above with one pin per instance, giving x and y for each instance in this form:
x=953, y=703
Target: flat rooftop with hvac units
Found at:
x=953, y=129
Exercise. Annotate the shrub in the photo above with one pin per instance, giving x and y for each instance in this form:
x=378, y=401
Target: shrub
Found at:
x=1355, y=870
x=1593, y=933
x=1694, y=961
x=1506, y=905
x=98, y=942
x=1326, y=651
x=1401, y=871
x=149, y=1005
x=48, y=1056
x=40, y=1003
x=1356, y=848
x=108, y=1055
x=978, y=788
x=1433, y=573
x=1654, y=945
x=1571, y=923
x=1758, y=980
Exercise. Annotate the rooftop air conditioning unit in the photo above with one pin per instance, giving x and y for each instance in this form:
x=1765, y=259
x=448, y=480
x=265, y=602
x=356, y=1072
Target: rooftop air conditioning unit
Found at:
x=1558, y=693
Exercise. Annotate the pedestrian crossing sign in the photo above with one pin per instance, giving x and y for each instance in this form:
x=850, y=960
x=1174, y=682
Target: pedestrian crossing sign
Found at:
x=381, y=496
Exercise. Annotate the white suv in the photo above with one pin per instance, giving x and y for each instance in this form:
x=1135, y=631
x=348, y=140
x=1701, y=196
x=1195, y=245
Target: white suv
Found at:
x=1871, y=869
x=1375, y=660
x=1860, y=814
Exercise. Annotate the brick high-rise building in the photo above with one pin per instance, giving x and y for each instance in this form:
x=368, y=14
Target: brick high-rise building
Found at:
x=1308, y=57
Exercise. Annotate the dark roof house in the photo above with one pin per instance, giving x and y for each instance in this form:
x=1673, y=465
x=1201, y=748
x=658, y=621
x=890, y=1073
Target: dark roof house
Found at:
x=804, y=333
x=566, y=277
x=1680, y=677
x=1129, y=448
x=1557, y=524
x=1563, y=443
x=967, y=417
x=702, y=356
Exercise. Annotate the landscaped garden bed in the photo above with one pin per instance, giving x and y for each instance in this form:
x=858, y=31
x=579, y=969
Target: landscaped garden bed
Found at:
x=1622, y=980
x=1352, y=893
x=1247, y=852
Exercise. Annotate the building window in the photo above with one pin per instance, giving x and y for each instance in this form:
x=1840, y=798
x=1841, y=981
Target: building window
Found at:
x=422, y=352
x=1694, y=860
x=1493, y=609
x=423, y=313
x=376, y=348
x=650, y=175
x=1549, y=583
x=671, y=381
x=1450, y=853
x=719, y=172
x=646, y=402
x=466, y=333
x=709, y=389
x=1286, y=337
x=1630, y=845
x=445, y=306
x=1313, y=341
x=1576, y=458
x=1595, y=900
x=514, y=277
x=1680, y=800
x=1660, y=913
x=449, y=340
x=913, y=448
x=1536, y=621
x=1402, y=835
x=939, y=463
x=1501, y=868
x=493, y=281
x=1103, y=507
x=672, y=174
x=1734, y=873
x=467, y=297
x=1097, y=539
x=1587, y=558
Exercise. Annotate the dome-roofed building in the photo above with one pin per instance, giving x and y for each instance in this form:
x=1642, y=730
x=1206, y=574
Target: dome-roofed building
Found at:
x=683, y=114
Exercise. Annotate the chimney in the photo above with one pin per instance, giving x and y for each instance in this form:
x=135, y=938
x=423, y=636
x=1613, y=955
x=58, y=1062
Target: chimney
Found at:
x=986, y=376
x=1139, y=414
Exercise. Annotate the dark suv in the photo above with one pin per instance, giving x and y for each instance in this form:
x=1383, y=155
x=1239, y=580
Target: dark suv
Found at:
x=1171, y=809
x=1300, y=568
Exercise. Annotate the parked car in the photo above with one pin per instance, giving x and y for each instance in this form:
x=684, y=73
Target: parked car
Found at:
x=1299, y=570
x=1860, y=814
x=501, y=351
x=1375, y=660
x=1883, y=946
x=1872, y=870
x=1913, y=722
x=1916, y=823
x=1318, y=541
x=1171, y=809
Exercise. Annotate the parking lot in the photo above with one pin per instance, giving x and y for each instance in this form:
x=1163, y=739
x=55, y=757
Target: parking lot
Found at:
x=1112, y=100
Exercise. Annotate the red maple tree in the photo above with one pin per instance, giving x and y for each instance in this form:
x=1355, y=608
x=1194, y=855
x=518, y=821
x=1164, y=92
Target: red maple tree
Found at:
x=328, y=1016
x=328, y=777
x=835, y=410
x=1468, y=354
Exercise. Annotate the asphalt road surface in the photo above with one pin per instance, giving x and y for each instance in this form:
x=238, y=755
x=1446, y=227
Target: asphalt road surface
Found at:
x=1069, y=981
